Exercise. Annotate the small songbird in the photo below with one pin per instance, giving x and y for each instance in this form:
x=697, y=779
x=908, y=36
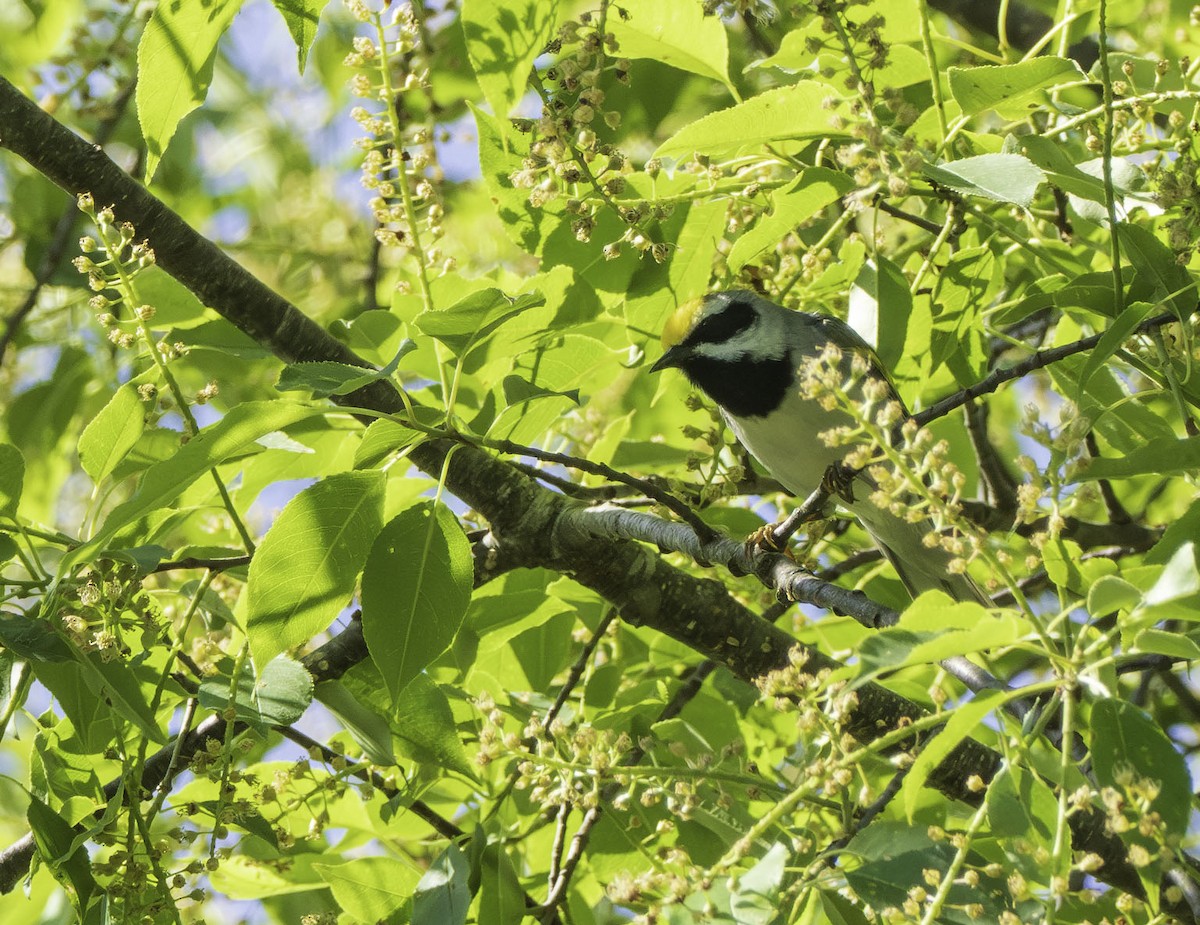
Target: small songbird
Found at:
x=746, y=353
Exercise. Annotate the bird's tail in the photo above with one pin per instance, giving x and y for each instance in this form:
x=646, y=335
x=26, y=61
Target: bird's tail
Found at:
x=920, y=567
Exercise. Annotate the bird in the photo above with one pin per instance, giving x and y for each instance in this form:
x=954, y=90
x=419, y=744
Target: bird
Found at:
x=746, y=353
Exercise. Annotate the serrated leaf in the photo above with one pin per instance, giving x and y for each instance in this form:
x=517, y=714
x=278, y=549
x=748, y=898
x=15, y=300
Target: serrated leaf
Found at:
x=114, y=681
x=325, y=378
x=795, y=112
x=112, y=433
x=1162, y=642
x=415, y=591
x=500, y=153
x=174, y=304
x=503, y=39
x=1116, y=335
x=1156, y=265
x=370, y=889
x=370, y=729
x=175, y=64
x=677, y=33
x=1110, y=594
x=755, y=901
x=999, y=177
x=304, y=571
x=1013, y=90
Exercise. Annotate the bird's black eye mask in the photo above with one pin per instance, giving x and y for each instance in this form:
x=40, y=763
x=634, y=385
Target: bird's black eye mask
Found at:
x=738, y=316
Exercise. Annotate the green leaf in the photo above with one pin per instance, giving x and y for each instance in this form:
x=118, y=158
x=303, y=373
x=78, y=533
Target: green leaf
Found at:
x=1110, y=594
x=880, y=305
x=1013, y=90
x=415, y=591
x=112, y=433
x=500, y=154
x=466, y=323
x=381, y=439
x=1161, y=456
x=278, y=697
x=934, y=628
x=1162, y=642
x=755, y=901
x=1019, y=805
x=795, y=203
x=325, y=377
x=1170, y=597
x=175, y=64
x=174, y=304
x=369, y=728
x=1157, y=267
x=501, y=899
x=54, y=838
x=503, y=39
x=443, y=895
x=425, y=725
x=790, y=113
x=372, y=888
x=32, y=639
x=12, y=479
x=304, y=572
x=116, y=683
x=166, y=480
x=1060, y=170
x=893, y=856
x=964, y=720
x=999, y=177
x=1126, y=743
x=302, y=17
x=675, y=32
x=1116, y=335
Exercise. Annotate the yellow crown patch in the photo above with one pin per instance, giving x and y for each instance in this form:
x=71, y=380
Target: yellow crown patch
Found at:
x=682, y=320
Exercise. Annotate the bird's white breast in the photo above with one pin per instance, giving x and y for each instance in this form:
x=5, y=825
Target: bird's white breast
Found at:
x=787, y=442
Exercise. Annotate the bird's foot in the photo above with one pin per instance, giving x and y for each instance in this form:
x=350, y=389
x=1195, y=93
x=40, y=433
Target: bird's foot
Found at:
x=771, y=538
x=839, y=480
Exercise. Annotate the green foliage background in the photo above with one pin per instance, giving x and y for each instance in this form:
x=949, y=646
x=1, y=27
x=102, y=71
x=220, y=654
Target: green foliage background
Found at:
x=408, y=615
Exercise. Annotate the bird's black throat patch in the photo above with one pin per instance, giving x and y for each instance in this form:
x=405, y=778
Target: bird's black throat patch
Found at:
x=744, y=387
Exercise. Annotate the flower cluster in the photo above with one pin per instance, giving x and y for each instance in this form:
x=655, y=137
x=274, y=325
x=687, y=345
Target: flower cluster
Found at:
x=106, y=606
x=567, y=157
x=400, y=165
x=913, y=476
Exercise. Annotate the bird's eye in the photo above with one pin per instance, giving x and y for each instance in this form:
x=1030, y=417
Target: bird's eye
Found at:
x=726, y=324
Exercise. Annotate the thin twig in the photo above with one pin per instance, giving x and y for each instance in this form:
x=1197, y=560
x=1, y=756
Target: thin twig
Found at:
x=666, y=499
x=1035, y=361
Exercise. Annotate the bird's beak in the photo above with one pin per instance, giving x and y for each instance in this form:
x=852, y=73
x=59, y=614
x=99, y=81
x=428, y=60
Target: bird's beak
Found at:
x=674, y=357
x=681, y=321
